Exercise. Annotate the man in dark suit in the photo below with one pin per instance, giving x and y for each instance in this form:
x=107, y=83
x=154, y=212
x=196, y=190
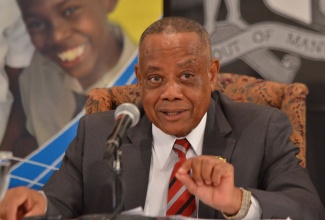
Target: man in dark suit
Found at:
x=261, y=177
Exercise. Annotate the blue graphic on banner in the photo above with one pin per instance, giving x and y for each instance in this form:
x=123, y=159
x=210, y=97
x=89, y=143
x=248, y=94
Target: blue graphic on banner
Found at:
x=35, y=170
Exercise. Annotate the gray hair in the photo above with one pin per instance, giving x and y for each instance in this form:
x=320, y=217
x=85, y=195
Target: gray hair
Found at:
x=170, y=25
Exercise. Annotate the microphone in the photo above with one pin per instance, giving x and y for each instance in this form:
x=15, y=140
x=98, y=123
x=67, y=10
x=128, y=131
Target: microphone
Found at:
x=126, y=115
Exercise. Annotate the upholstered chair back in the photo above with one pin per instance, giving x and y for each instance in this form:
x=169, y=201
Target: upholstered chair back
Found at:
x=290, y=98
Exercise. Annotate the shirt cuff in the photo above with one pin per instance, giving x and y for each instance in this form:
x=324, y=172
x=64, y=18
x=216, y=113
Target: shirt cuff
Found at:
x=255, y=211
x=250, y=208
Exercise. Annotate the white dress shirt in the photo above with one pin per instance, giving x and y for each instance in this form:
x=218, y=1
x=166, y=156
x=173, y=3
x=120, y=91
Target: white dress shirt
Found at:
x=162, y=164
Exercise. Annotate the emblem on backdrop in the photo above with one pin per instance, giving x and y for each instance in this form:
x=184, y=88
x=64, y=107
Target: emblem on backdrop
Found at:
x=300, y=36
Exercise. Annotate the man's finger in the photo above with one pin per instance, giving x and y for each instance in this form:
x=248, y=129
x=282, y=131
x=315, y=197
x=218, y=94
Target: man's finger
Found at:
x=187, y=181
x=186, y=166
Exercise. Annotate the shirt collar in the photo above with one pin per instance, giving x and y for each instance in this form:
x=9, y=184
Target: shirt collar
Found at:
x=163, y=143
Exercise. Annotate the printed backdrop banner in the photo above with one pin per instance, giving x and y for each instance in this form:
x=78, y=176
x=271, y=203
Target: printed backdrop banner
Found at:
x=132, y=17
x=38, y=167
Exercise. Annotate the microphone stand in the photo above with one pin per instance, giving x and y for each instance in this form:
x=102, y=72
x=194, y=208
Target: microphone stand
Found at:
x=117, y=165
x=126, y=115
x=118, y=185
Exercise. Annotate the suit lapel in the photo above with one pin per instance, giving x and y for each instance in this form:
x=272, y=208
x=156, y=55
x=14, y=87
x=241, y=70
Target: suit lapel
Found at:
x=136, y=159
x=216, y=142
x=216, y=139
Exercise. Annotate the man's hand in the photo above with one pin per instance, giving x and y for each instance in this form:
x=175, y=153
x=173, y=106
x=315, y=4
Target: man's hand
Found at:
x=21, y=202
x=212, y=182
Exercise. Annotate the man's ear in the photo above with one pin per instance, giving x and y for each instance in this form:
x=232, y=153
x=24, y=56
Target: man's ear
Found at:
x=110, y=5
x=137, y=73
x=213, y=73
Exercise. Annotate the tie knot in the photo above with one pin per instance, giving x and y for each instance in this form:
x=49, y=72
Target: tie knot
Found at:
x=181, y=146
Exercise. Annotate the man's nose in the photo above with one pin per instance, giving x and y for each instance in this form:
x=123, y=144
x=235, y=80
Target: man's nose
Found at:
x=172, y=91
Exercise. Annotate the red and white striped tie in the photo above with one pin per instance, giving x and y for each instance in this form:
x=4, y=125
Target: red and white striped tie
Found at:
x=180, y=201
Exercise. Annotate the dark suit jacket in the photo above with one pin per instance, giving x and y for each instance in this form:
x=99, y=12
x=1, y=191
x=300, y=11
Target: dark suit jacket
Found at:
x=254, y=138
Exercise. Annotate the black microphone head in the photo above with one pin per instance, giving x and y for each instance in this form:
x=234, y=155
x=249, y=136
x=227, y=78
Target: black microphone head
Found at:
x=130, y=110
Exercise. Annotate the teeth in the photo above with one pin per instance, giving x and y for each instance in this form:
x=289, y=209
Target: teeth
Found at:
x=172, y=113
x=72, y=54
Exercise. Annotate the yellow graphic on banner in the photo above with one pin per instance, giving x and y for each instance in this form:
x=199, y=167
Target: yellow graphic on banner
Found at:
x=129, y=15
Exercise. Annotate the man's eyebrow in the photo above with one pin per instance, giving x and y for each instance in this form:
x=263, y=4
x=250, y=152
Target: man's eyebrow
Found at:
x=185, y=63
x=154, y=68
